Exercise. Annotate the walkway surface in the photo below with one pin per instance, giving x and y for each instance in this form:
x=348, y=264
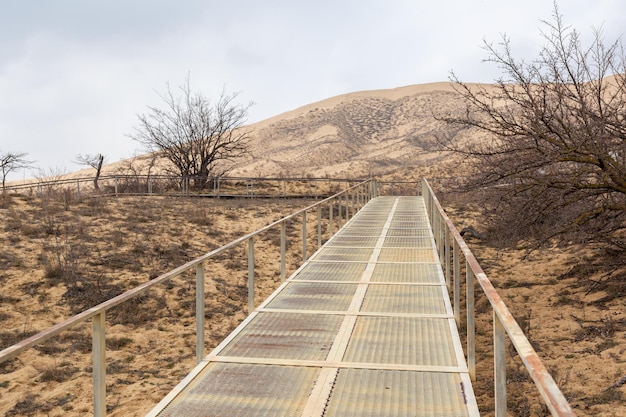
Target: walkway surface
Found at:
x=364, y=328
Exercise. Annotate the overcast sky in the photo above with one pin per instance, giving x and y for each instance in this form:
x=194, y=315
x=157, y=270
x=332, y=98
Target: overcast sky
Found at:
x=74, y=74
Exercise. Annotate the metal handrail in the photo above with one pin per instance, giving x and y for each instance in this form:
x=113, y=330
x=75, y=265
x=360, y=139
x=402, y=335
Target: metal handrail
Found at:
x=349, y=201
x=148, y=180
x=503, y=320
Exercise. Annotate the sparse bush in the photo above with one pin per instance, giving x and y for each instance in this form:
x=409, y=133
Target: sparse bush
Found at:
x=549, y=160
x=28, y=406
x=59, y=373
x=117, y=343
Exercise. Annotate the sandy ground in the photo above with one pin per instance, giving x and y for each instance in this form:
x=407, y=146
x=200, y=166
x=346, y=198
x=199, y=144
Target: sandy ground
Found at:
x=57, y=262
x=577, y=328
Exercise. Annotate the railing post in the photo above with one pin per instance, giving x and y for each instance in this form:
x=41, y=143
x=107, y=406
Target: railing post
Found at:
x=457, y=283
x=250, y=275
x=339, y=210
x=499, y=355
x=446, y=251
x=456, y=270
x=331, y=208
x=471, y=327
x=304, y=236
x=352, y=203
x=99, y=364
x=442, y=246
x=283, y=251
x=199, y=312
x=319, y=226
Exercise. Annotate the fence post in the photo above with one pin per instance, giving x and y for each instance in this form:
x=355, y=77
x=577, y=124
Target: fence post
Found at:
x=319, y=226
x=339, y=211
x=457, y=295
x=331, y=208
x=456, y=269
x=304, y=236
x=99, y=364
x=446, y=251
x=283, y=250
x=471, y=326
x=352, y=206
x=442, y=243
x=199, y=312
x=499, y=357
x=77, y=188
x=115, y=183
x=250, y=275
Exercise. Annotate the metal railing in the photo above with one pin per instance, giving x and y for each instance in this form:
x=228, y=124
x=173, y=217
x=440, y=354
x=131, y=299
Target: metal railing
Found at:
x=503, y=321
x=219, y=186
x=346, y=203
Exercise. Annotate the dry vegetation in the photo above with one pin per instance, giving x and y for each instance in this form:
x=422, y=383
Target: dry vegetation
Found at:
x=573, y=315
x=62, y=257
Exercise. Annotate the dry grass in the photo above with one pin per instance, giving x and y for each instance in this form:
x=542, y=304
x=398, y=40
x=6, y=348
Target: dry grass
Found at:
x=60, y=260
x=577, y=328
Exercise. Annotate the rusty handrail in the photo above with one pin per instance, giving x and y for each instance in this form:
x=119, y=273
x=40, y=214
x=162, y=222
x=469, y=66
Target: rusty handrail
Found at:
x=503, y=319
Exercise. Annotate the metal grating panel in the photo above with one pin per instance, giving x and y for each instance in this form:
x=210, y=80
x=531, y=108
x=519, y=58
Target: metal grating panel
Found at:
x=357, y=222
x=410, y=225
x=375, y=393
x=332, y=271
x=407, y=255
x=373, y=216
x=410, y=217
x=415, y=273
x=402, y=340
x=314, y=296
x=286, y=335
x=409, y=299
x=361, y=231
x=408, y=242
x=245, y=390
x=408, y=232
x=343, y=254
x=354, y=241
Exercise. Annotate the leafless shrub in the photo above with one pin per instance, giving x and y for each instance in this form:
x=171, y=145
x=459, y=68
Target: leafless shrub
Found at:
x=552, y=161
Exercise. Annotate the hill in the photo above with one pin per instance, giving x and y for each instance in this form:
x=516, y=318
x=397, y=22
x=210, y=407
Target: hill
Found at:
x=370, y=132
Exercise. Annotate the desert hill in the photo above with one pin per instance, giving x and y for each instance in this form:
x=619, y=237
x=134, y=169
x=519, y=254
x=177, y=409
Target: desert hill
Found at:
x=364, y=133
x=377, y=132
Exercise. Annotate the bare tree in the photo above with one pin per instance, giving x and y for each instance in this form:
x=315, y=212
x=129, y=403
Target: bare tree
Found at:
x=552, y=154
x=11, y=161
x=94, y=161
x=197, y=136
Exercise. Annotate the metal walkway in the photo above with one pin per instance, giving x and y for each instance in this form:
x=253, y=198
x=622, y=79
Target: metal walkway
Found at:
x=363, y=328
